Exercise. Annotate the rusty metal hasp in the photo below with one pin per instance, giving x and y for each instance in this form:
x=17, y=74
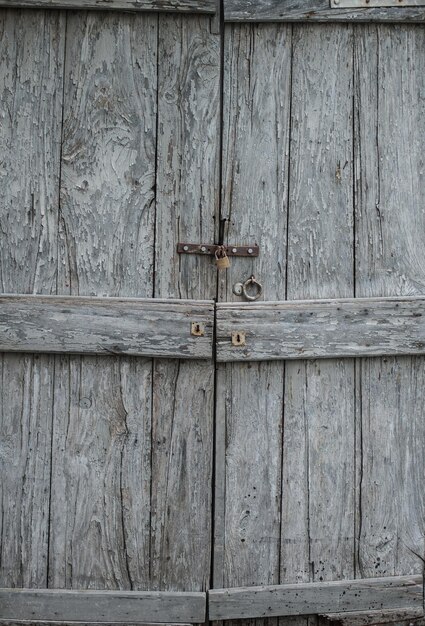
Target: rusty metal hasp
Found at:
x=212, y=249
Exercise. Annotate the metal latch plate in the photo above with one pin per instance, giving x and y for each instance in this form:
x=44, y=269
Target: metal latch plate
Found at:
x=370, y=4
x=210, y=249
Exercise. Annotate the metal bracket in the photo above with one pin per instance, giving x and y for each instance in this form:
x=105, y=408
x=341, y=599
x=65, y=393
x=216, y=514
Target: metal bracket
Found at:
x=370, y=4
x=210, y=249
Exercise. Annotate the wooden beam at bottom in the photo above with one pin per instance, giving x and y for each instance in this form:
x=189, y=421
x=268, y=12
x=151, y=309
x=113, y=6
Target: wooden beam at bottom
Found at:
x=175, y=6
x=373, y=618
x=41, y=622
x=371, y=594
x=111, y=607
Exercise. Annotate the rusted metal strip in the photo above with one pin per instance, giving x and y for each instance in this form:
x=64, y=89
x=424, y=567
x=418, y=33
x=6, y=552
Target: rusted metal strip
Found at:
x=211, y=249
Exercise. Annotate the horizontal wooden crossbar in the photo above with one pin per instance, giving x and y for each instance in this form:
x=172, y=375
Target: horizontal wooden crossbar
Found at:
x=321, y=329
x=175, y=6
x=315, y=11
x=313, y=598
x=79, y=325
x=43, y=622
x=129, y=607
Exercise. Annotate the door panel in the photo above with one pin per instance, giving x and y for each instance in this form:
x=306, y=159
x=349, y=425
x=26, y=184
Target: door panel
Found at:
x=390, y=261
x=316, y=160
x=111, y=456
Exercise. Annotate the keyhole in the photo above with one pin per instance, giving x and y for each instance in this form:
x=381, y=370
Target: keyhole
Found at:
x=238, y=338
x=197, y=329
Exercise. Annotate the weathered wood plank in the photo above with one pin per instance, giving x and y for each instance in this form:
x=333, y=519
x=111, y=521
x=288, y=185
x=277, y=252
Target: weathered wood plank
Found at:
x=402, y=617
x=62, y=623
x=322, y=329
x=314, y=11
x=101, y=465
x=390, y=261
x=318, y=441
x=371, y=4
x=67, y=324
x=183, y=392
x=312, y=598
x=102, y=606
x=256, y=137
x=31, y=71
x=185, y=6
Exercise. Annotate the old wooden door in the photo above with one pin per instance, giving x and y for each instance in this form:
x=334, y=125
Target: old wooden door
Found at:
x=109, y=155
x=320, y=462
x=116, y=145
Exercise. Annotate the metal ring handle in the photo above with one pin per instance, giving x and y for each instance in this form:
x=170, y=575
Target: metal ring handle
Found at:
x=252, y=281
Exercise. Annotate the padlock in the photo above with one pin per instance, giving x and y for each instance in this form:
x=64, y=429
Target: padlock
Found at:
x=221, y=259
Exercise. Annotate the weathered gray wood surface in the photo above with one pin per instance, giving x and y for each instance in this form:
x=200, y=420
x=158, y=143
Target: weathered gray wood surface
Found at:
x=108, y=457
x=390, y=261
x=62, y=623
x=30, y=129
x=402, y=617
x=248, y=461
x=317, y=540
x=186, y=6
x=155, y=456
x=312, y=598
x=186, y=203
x=370, y=4
x=322, y=329
x=101, y=452
x=314, y=11
x=102, y=606
x=67, y=324
x=74, y=623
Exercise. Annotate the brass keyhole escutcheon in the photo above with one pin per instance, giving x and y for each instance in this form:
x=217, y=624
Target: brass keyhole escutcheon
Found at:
x=238, y=338
x=197, y=329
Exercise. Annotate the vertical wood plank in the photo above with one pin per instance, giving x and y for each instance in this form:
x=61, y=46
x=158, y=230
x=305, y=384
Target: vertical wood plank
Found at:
x=255, y=174
x=31, y=70
x=390, y=220
x=100, y=512
x=318, y=453
x=183, y=393
x=101, y=473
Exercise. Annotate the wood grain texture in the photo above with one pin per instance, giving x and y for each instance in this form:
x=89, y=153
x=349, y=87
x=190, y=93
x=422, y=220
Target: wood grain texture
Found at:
x=318, y=443
x=101, y=465
x=185, y=6
x=63, y=623
x=312, y=598
x=186, y=204
x=390, y=261
x=314, y=11
x=31, y=70
x=106, y=606
x=108, y=156
x=249, y=410
x=322, y=329
x=137, y=327
x=402, y=617
x=371, y=4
